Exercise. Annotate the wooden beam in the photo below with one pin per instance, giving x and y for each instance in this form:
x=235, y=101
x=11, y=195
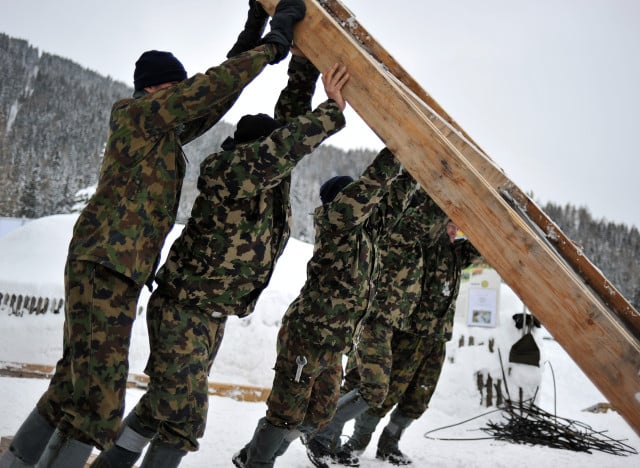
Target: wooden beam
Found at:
x=595, y=337
x=548, y=230
x=40, y=371
x=456, y=135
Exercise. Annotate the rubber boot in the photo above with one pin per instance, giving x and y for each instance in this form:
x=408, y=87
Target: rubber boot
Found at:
x=326, y=442
x=64, y=452
x=239, y=458
x=388, y=449
x=350, y=406
x=289, y=437
x=131, y=441
x=363, y=429
x=161, y=455
x=9, y=460
x=268, y=442
x=28, y=443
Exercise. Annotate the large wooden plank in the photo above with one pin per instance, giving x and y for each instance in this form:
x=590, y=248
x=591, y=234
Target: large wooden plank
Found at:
x=451, y=130
x=571, y=252
x=583, y=324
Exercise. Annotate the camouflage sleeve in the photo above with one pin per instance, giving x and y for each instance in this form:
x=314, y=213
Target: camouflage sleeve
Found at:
x=397, y=198
x=295, y=98
x=468, y=254
x=357, y=201
x=197, y=103
x=254, y=167
x=431, y=217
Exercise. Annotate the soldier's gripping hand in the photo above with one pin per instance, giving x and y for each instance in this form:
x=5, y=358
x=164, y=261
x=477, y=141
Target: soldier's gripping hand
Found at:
x=286, y=16
x=253, y=29
x=333, y=80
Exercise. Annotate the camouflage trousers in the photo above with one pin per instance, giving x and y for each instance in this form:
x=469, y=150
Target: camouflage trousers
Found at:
x=311, y=402
x=85, y=398
x=416, y=367
x=372, y=360
x=183, y=344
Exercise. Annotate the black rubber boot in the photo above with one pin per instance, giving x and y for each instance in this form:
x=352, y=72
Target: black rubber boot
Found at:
x=364, y=428
x=321, y=457
x=161, y=455
x=350, y=406
x=64, y=452
x=29, y=442
x=116, y=457
x=326, y=442
x=388, y=449
x=240, y=458
x=267, y=444
x=131, y=441
x=9, y=460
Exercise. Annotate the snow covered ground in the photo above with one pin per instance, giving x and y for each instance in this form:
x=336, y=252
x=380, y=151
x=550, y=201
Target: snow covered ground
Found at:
x=31, y=263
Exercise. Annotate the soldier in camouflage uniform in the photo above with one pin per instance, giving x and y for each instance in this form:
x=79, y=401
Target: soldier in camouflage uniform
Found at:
x=118, y=236
x=319, y=325
x=398, y=289
x=222, y=261
x=418, y=343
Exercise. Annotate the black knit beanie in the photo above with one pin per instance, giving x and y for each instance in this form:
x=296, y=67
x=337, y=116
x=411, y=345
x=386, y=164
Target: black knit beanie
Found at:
x=332, y=187
x=253, y=127
x=155, y=67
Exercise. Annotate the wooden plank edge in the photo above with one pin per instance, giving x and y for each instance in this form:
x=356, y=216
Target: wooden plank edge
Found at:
x=577, y=318
x=349, y=23
x=236, y=391
x=566, y=247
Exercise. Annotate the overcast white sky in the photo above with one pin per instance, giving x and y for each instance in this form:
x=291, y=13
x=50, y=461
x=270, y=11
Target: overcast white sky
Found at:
x=549, y=89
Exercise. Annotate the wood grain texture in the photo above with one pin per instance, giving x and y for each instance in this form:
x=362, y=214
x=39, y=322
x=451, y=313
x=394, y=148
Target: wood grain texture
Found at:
x=472, y=192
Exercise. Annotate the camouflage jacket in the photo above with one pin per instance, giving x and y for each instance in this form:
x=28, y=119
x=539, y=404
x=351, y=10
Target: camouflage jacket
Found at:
x=125, y=223
x=340, y=273
x=239, y=223
x=443, y=265
x=399, y=284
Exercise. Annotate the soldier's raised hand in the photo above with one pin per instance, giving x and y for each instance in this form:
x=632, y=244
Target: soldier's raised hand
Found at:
x=287, y=14
x=253, y=29
x=333, y=80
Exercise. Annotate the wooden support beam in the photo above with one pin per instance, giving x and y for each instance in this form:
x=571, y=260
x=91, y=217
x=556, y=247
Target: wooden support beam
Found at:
x=456, y=135
x=547, y=229
x=594, y=335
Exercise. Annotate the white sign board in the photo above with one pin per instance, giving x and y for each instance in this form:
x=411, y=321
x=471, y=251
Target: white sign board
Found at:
x=482, y=307
x=483, y=301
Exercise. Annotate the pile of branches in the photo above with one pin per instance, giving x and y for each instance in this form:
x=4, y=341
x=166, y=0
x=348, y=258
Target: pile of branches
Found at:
x=525, y=423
